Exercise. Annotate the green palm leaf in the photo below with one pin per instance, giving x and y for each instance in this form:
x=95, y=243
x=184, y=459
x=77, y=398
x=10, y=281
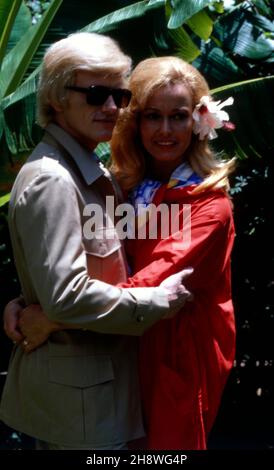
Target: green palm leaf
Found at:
x=4, y=199
x=2, y=122
x=8, y=12
x=21, y=24
x=252, y=112
x=244, y=33
x=17, y=122
x=27, y=88
x=113, y=20
x=201, y=24
x=216, y=65
x=184, y=46
x=18, y=59
x=182, y=10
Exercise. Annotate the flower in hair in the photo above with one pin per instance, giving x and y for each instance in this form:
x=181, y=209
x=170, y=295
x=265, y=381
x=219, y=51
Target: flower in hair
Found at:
x=208, y=115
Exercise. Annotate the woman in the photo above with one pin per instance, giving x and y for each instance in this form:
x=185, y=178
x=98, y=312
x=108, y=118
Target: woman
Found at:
x=160, y=155
x=160, y=148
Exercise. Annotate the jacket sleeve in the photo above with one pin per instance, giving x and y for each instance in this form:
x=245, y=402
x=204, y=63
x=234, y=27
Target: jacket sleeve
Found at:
x=208, y=251
x=49, y=229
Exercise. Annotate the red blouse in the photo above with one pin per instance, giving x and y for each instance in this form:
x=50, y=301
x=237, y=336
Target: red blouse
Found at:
x=185, y=361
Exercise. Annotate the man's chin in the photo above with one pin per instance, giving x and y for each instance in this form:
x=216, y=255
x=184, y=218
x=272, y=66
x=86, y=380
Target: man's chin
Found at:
x=106, y=137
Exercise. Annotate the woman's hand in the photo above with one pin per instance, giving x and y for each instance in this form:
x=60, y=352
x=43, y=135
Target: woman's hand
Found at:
x=35, y=327
x=177, y=293
x=11, y=320
x=29, y=326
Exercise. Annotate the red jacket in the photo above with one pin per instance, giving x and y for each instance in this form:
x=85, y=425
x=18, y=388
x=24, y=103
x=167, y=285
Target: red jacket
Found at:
x=185, y=361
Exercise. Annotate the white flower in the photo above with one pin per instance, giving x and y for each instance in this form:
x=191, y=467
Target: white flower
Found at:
x=208, y=116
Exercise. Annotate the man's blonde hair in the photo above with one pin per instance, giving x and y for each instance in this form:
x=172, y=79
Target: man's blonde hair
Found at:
x=128, y=156
x=80, y=51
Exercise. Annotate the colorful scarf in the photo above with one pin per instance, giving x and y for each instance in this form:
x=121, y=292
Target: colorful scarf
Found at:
x=141, y=196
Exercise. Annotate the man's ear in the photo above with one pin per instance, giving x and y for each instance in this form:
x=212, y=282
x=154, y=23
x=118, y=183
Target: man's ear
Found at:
x=57, y=106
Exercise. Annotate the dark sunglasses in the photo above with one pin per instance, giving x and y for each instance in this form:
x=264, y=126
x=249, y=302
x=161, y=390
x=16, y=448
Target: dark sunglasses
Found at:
x=97, y=95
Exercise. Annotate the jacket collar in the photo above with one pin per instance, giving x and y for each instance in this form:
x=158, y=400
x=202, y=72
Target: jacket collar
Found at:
x=87, y=162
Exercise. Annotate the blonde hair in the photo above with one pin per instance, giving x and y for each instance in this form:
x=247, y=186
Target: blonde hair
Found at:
x=80, y=51
x=128, y=157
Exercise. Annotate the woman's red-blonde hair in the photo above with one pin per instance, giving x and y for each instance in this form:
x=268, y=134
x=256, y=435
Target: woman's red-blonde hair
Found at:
x=128, y=156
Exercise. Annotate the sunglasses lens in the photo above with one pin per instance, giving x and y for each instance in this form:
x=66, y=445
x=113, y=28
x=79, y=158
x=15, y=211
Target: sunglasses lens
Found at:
x=121, y=97
x=97, y=95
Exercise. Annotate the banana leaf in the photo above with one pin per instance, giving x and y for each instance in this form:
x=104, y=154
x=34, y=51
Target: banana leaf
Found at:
x=4, y=199
x=201, y=24
x=263, y=7
x=142, y=20
x=16, y=125
x=8, y=12
x=183, y=42
x=244, y=33
x=217, y=66
x=252, y=113
x=113, y=20
x=18, y=59
x=185, y=48
x=27, y=88
x=23, y=22
x=183, y=10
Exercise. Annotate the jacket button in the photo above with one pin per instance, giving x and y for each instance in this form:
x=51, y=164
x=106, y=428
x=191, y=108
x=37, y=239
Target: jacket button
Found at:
x=140, y=318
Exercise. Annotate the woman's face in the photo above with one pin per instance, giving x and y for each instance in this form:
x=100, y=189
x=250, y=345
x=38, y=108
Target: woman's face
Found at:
x=166, y=125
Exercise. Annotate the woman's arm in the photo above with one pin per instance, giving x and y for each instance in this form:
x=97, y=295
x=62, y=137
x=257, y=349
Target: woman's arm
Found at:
x=36, y=327
x=10, y=319
x=28, y=326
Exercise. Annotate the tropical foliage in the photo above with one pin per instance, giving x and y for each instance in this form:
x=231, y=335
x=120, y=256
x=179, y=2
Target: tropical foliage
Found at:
x=228, y=45
x=19, y=42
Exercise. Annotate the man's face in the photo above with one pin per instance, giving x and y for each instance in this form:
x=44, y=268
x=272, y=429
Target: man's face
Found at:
x=89, y=124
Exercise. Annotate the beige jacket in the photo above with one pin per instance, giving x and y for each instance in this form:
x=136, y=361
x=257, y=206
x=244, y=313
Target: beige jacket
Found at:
x=81, y=387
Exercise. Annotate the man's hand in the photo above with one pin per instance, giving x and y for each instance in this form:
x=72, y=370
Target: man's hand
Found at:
x=35, y=326
x=176, y=291
x=11, y=320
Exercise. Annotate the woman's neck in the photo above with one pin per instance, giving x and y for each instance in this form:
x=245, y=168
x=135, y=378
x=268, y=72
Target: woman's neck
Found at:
x=162, y=171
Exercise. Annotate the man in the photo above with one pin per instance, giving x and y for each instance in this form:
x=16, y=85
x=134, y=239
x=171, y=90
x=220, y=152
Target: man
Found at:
x=80, y=389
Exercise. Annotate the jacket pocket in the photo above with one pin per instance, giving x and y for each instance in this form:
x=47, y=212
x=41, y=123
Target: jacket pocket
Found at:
x=104, y=242
x=81, y=400
x=81, y=372
x=105, y=260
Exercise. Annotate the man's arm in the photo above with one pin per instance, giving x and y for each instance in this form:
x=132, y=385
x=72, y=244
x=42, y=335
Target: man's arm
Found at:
x=34, y=327
x=49, y=226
